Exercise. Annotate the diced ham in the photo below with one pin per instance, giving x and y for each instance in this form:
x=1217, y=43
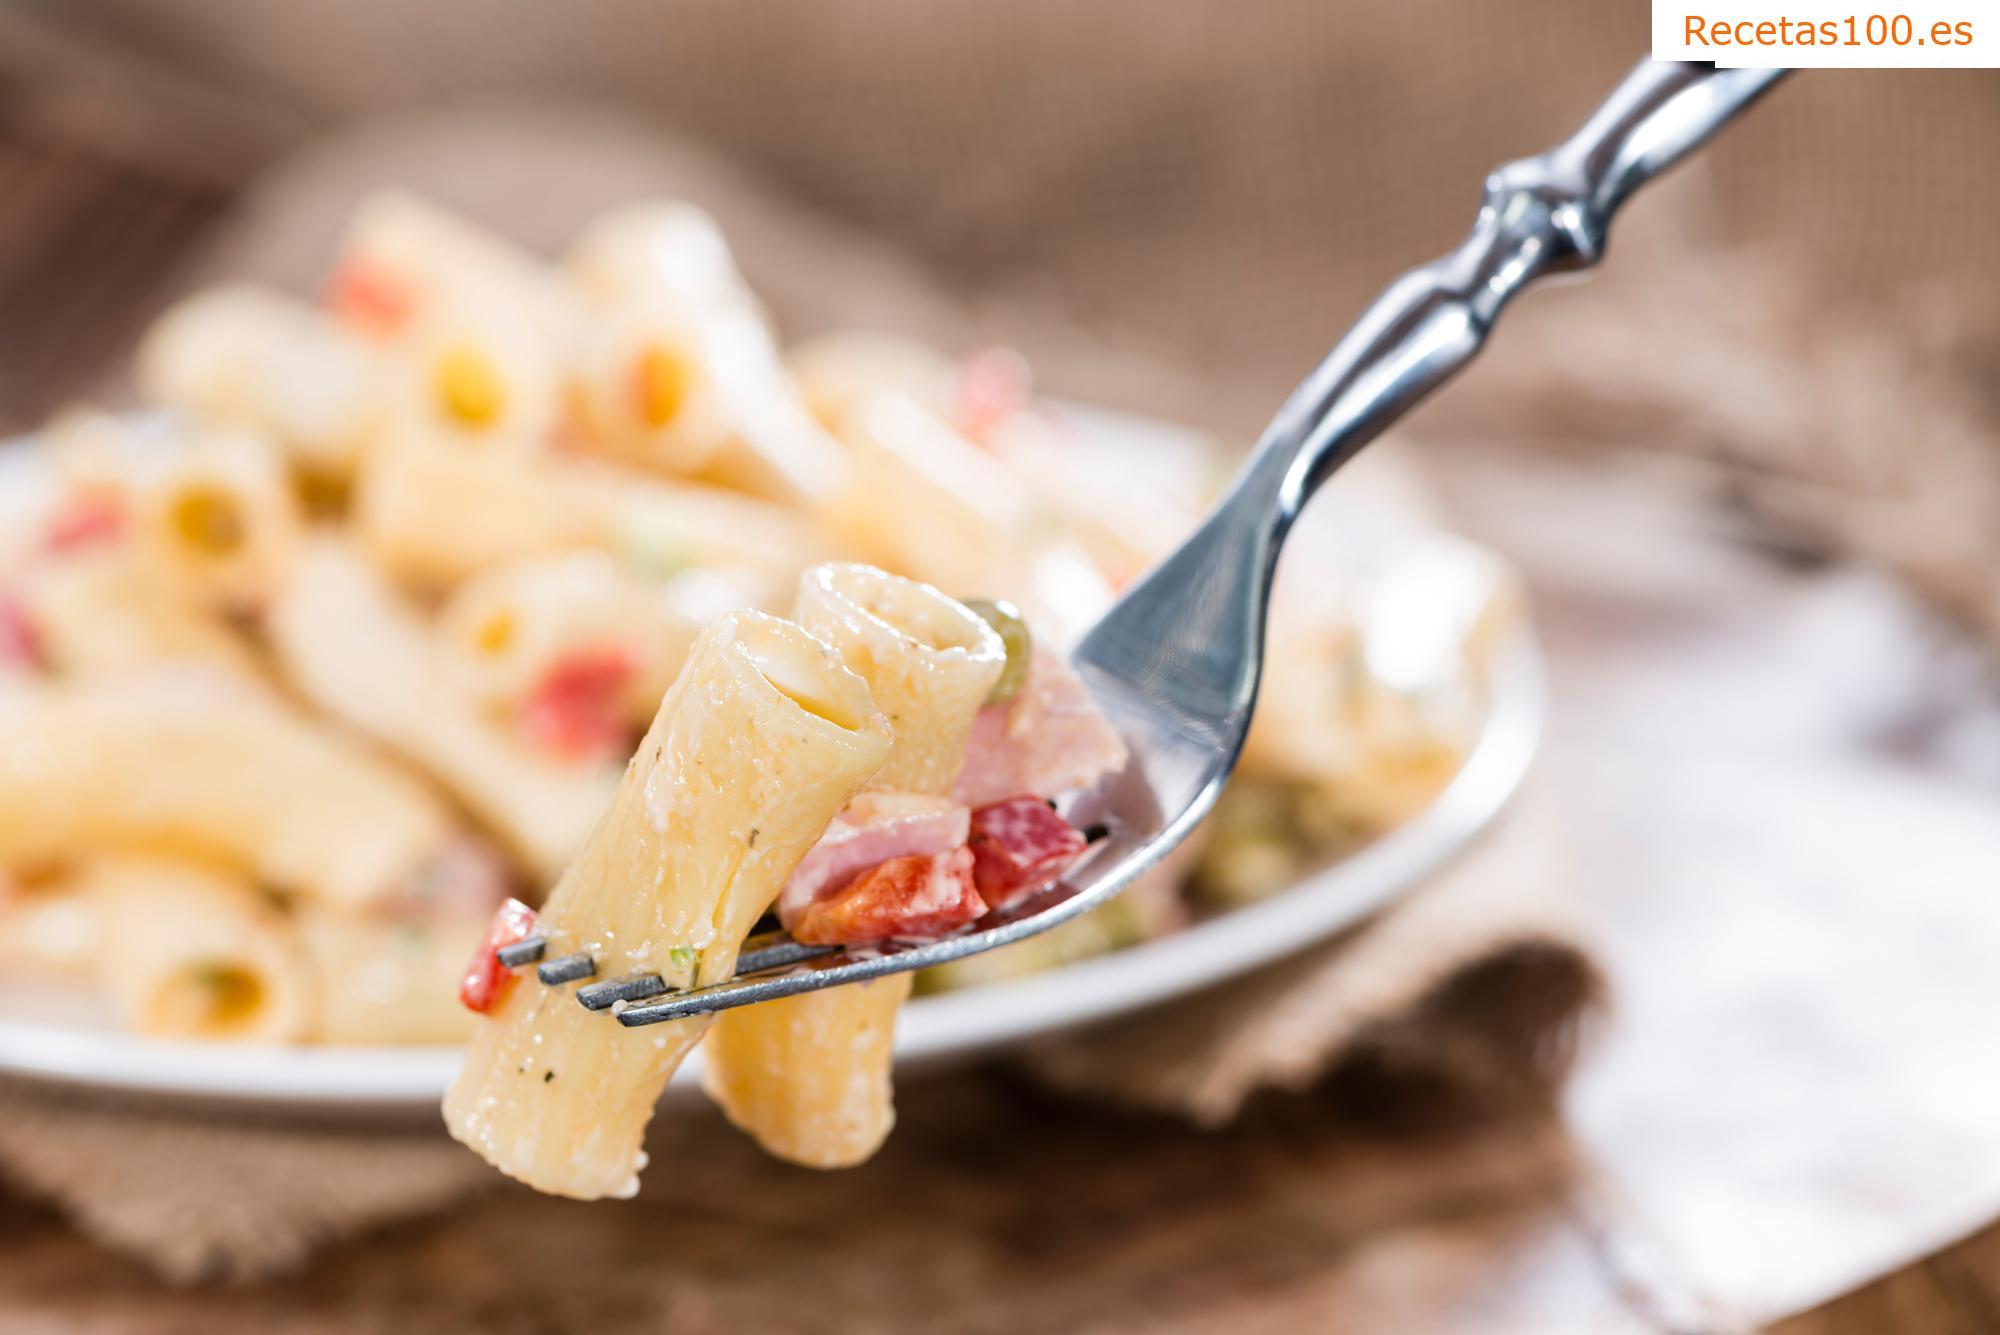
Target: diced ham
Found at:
x=992, y=386
x=487, y=980
x=370, y=298
x=1050, y=738
x=577, y=711
x=20, y=642
x=1020, y=847
x=906, y=899
x=872, y=829
x=85, y=522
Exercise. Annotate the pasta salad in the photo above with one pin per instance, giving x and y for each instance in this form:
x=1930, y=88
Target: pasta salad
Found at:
x=391, y=614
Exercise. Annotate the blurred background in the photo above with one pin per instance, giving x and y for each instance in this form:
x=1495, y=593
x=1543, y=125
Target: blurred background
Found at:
x=1751, y=471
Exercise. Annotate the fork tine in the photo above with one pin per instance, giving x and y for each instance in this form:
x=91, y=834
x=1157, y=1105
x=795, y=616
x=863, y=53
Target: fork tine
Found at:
x=780, y=952
x=568, y=969
x=525, y=951
x=632, y=987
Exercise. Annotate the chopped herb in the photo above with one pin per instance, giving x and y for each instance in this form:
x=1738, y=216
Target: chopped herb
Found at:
x=548, y=1076
x=683, y=957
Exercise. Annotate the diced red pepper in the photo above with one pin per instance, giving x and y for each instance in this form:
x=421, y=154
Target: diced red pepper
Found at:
x=371, y=298
x=20, y=642
x=487, y=980
x=992, y=386
x=1020, y=847
x=85, y=522
x=903, y=899
x=577, y=711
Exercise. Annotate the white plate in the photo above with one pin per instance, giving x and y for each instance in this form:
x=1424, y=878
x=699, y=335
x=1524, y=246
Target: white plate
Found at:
x=933, y=1029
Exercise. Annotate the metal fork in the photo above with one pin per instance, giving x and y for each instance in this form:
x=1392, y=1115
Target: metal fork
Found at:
x=1175, y=663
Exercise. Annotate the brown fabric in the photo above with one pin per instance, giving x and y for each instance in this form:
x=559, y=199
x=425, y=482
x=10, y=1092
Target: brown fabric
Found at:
x=1459, y=1004
x=212, y=1196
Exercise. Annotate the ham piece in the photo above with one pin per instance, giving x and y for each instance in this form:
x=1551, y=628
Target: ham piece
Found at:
x=872, y=829
x=1050, y=738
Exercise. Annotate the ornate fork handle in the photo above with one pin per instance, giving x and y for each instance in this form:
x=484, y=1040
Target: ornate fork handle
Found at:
x=1192, y=629
x=1542, y=215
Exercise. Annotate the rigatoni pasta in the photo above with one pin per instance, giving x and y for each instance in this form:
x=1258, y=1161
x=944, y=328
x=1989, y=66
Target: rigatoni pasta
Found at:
x=512, y=628
x=270, y=363
x=432, y=513
x=196, y=952
x=220, y=517
x=808, y=1075
x=389, y=978
x=107, y=614
x=761, y=740
x=194, y=765
x=358, y=653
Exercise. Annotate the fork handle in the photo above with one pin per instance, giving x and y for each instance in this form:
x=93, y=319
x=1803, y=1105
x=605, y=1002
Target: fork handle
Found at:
x=1541, y=215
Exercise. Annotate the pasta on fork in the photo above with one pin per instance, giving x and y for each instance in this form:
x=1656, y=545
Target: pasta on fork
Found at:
x=762, y=739
x=808, y=1076
x=807, y=764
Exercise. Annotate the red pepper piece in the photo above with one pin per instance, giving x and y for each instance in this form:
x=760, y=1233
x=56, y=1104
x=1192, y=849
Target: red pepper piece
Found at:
x=1019, y=847
x=903, y=899
x=487, y=980
x=576, y=711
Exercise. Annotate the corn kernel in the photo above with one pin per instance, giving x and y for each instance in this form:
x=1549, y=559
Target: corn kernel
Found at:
x=469, y=386
x=208, y=521
x=496, y=634
x=662, y=380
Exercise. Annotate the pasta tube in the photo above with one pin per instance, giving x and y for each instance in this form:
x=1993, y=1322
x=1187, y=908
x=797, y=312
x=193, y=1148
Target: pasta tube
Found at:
x=704, y=394
x=190, y=951
x=405, y=259
x=809, y=1076
x=200, y=767
x=667, y=251
x=929, y=662
x=347, y=641
x=433, y=514
x=761, y=740
x=388, y=980
x=261, y=360
x=924, y=501
x=46, y=931
x=99, y=614
x=840, y=374
x=510, y=627
x=220, y=518
x=477, y=374
x=685, y=374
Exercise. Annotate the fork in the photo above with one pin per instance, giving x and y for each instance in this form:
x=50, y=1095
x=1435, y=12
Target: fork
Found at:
x=1176, y=661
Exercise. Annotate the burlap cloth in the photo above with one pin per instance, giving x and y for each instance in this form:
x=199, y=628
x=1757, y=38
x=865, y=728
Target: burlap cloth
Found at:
x=1470, y=991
